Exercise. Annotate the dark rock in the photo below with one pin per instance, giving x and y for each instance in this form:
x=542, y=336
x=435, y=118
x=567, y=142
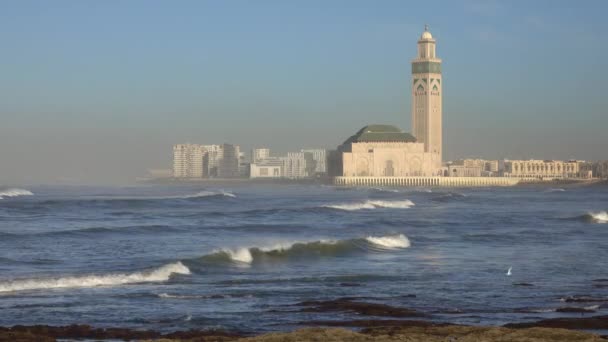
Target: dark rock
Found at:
x=583, y=299
x=522, y=284
x=574, y=309
x=595, y=322
x=361, y=308
x=370, y=323
x=50, y=333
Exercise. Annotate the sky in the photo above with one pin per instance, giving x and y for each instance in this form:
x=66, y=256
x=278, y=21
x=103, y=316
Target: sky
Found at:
x=99, y=91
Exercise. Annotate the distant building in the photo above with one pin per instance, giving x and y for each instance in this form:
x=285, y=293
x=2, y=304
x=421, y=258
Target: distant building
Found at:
x=541, y=168
x=188, y=161
x=427, y=96
x=228, y=165
x=258, y=154
x=600, y=169
x=211, y=162
x=383, y=151
x=243, y=165
x=316, y=161
x=464, y=171
x=295, y=165
x=487, y=168
x=268, y=168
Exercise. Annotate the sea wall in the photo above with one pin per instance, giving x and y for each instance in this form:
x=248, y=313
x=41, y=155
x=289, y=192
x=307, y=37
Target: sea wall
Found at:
x=426, y=181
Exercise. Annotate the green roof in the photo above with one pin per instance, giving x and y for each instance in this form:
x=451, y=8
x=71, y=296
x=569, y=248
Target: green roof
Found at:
x=380, y=133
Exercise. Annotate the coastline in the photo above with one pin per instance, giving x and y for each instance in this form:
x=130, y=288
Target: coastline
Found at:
x=374, y=322
x=374, y=330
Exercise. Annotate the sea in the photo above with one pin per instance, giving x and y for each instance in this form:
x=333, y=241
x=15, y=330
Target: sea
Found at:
x=242, y=256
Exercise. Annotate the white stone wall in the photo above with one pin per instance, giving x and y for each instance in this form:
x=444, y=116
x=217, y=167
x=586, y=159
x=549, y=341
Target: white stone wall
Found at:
x=389, y=159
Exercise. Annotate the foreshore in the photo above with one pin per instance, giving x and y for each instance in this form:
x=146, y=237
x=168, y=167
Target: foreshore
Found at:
x=374, y=322
x=374, y=331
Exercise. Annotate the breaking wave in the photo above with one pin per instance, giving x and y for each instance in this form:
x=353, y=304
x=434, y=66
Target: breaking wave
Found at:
x=200, y=194
x=599, y=217
x=14, y=193
x=399, y=241
x=295, y=250
x=371, y=204
x=160, y=274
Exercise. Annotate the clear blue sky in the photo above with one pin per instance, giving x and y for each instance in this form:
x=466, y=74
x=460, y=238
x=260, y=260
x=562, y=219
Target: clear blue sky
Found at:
x=100, y=90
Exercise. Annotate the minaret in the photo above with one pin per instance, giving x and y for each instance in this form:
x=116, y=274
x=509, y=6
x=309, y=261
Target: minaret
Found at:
x=426, y=95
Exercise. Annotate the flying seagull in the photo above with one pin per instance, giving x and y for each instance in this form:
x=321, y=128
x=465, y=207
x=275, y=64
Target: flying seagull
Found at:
x=509, y=271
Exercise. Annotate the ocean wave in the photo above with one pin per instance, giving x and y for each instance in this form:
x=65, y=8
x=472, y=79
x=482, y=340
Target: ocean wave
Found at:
x=590, y=217
x=399, y=241
x=555, y=190
x=320, y=248
x=599, y=217
x=448, y=196
x=160, y=274
x=209, y=296
x=14, y=192
x=371, y=204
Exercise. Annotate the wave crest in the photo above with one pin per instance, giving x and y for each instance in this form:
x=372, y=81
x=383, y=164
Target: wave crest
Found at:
x=321, y=248
x=398, y=241
x=371, y=204
x=14, y=192
x=160, y=274
x=599, y=217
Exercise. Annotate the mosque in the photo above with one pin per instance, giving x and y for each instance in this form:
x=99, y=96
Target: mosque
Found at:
x=387, y=151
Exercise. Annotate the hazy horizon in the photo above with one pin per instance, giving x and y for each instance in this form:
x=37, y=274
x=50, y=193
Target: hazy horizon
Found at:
x=98, y=92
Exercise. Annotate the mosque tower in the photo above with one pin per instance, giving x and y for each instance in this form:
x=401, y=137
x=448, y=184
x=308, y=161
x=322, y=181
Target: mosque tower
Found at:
x=426, y=96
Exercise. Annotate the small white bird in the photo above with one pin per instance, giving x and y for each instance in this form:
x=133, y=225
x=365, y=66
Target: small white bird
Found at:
x=509, y=271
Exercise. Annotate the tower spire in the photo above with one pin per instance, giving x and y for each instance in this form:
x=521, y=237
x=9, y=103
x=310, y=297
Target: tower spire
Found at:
x=426, y=27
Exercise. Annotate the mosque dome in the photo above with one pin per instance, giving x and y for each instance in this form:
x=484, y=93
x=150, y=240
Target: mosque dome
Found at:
x=426, y=35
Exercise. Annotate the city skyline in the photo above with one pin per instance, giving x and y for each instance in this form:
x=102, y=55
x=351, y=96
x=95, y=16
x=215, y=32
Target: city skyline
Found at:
x=91, y=107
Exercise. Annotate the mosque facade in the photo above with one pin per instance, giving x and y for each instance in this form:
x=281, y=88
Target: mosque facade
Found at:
x=386, y=150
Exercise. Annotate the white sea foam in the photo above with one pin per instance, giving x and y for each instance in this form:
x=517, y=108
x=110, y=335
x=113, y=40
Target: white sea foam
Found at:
x=556, y=190
x=170, y=296
x=396, y=241
x=206, y=193
x=371, y=204
x=600, y=217
x=15, y=192
x=162, y=273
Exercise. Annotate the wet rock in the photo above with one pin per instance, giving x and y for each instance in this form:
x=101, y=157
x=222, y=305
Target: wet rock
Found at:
x=50, y=333
x=575, y=309
x=583, y=299
x=594, y=322
x=368, y=323
x=361, y=308
x=523, y=284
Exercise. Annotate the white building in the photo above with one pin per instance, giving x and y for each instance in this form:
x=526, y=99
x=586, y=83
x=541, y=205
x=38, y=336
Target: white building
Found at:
x=211, y=162
x=316, y=161
x=188, y=160
x=268, y=168
x=295, y=165
x=258, y=154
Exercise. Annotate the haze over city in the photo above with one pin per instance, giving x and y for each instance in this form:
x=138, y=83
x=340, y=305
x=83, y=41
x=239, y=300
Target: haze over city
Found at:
x=100, y=93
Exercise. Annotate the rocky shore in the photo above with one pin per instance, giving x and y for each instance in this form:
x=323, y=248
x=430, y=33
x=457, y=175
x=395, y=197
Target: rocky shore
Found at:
x=377, y=322
x=407, y=331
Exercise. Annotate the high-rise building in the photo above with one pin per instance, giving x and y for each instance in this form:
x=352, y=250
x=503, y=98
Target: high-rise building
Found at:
x=211, y=161
x=259, y=154
x=229, y=163
x=188, y=160
x=426, y=96
x=316, y=161
x=295, y=165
